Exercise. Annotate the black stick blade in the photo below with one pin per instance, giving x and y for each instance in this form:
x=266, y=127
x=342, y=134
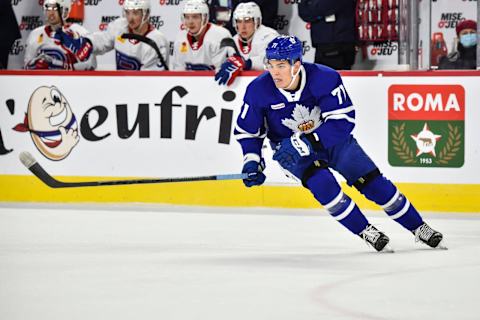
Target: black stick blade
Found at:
x=29, y=161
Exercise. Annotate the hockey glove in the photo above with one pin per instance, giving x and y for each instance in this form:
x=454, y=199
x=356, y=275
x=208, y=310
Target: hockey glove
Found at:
x=40, y=64
x=255, y=173
x=230, y=69
x=81, y=47
x=292, y=149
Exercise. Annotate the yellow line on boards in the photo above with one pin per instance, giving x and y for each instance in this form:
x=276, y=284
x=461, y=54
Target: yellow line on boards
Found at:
x=426, y=197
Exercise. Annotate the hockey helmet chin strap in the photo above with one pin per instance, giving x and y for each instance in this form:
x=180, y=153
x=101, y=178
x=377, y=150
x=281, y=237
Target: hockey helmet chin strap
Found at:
x=145, y=19
x=294, y=76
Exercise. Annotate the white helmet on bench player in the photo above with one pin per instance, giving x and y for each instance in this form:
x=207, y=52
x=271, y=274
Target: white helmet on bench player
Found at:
x=143, y=5
x=196, y=7
x=62, y=5
x=247, y=10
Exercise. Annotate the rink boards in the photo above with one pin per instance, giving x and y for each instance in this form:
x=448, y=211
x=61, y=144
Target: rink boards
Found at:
x=419, y=127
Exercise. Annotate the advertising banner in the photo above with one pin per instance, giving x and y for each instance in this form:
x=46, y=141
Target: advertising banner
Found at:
x=417, y=129
x=420, y=130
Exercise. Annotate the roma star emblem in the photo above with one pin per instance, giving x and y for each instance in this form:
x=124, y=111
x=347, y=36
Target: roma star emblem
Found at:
x=426, y=141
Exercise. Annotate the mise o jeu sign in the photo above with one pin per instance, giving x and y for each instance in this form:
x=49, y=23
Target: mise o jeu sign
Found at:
x=426, y=125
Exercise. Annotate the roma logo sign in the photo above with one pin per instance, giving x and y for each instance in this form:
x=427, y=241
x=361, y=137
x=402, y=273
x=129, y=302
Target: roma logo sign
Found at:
x=426, y=125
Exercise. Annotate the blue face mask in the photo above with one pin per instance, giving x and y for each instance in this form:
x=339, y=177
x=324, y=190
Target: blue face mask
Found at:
x=468, y=40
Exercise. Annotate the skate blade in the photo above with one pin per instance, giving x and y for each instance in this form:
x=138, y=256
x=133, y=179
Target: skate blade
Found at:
x=441, y=246
x=387, y=249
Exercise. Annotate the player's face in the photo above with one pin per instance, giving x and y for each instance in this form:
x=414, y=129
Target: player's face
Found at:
x=134, y=18
x=53, y=15
x=245, y=27
x=281, y=72
x=193, y=22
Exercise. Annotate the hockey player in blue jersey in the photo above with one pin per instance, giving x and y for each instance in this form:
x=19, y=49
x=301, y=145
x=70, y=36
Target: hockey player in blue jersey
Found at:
x=308, y=117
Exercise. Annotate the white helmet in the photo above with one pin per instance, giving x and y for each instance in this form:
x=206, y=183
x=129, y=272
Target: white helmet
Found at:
x=195, y=6
x=143, y=5
x=63, y=4
x=136, y=4
x=247, y=10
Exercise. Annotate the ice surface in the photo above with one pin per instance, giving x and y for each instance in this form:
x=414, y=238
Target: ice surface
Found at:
x=171, y=263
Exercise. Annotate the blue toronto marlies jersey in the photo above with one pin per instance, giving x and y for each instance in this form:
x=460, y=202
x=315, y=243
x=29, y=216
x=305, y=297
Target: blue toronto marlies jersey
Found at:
x=320, y=105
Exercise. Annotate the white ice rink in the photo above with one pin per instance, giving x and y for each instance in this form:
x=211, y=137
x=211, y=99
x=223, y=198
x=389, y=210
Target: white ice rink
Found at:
x=174, y=263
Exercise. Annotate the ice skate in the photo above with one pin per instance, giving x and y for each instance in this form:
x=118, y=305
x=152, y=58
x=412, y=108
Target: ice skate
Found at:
x=430, y=237
x=377, y=239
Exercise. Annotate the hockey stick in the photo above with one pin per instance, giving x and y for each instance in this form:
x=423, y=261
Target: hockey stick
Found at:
x=148, y=41
x=229, y=42
x=29, y=161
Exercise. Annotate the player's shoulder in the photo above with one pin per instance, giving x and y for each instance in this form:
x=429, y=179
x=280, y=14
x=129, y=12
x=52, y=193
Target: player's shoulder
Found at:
x=118, y=26
x=264, y=35
x=265, y=31
x=321, y=75
x=181, y=36
x=319, y=68
x=78, y=28
x=156, y=35
x=37, y=31
x=217, y=32
x=260, y=87
x=35, y=34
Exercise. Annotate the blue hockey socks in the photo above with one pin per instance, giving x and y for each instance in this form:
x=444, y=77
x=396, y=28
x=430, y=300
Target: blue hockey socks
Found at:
x=327, y=191
x=384, y=193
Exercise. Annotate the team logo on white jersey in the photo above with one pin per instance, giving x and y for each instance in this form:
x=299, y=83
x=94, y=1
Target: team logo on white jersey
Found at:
x=304, y=120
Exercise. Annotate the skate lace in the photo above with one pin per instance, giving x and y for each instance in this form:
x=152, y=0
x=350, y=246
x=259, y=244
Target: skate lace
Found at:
x=423, y=233
x=370, y=234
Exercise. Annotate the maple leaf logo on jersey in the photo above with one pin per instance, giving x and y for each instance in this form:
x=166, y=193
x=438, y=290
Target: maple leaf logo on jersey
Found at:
x=304, y=120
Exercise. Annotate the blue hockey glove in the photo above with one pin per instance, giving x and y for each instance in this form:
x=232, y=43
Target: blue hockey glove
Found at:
x=292, y=149
x=81, y=47
x=255, y=171
x=230, y=69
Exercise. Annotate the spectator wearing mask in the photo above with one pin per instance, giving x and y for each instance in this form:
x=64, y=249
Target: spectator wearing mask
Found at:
x=465, y=57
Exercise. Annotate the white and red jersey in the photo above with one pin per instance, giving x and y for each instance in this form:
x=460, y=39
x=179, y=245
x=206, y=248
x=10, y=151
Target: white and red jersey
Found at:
x=41, y=44
x=131, y=54
x=255, y=49
x=203, y=54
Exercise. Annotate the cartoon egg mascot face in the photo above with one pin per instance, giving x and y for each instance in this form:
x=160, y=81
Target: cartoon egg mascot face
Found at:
x=51, y=123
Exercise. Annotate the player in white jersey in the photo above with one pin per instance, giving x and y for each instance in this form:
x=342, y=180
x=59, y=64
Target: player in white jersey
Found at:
x=198, y=46
x=251, y=40
x=58, y=45
x=138, y=44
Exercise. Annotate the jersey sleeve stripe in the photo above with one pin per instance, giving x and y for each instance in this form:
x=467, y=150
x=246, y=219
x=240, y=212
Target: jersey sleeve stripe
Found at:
x=340, y=117
x=251, y=157
x=338, y=111
x=242, y=134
